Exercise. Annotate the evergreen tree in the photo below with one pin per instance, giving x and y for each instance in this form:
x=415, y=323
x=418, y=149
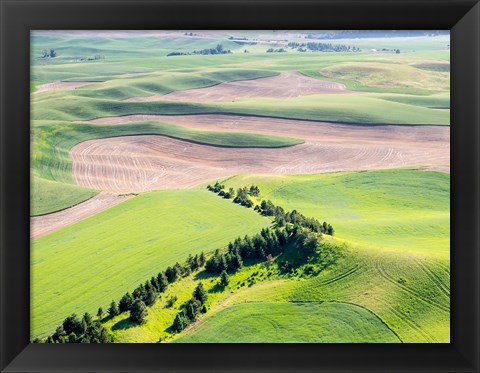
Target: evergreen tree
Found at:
x=200, y=294
x=139, y=293
x=72, y=338
x=138, y=312
x=125, y=303
x=192, y=309
x=113, y=309
x=104, y=337
x=153, y=283
x=100, y=313
x=179, y=323
x=72, y=325
x=151, y=297
x=162, y=282
x=201, y=259
x=224, y=280
x=87, y=319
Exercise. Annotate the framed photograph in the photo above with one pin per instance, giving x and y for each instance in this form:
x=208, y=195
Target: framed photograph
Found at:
x=227, y=186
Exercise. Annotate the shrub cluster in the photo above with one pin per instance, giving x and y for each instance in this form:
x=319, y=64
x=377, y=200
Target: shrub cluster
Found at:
x=191, y=309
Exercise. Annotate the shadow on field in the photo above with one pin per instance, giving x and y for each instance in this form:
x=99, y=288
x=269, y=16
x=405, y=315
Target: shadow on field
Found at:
x=217, y=289
x=123, y=324
x=204, y=275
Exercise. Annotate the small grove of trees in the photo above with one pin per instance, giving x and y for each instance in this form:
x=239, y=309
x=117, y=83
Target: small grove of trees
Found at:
x=207, y=51
x=216, y=188
x=217, y=50
x=75, y=330
x=267, y=208
x=322, y=47
x=46, y=53
x=191, y=309
x=279, y=50
x=241, y=196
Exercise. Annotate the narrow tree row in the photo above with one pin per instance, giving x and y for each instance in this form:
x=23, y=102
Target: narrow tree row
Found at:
x=241, y=196
x=269, y=242
x=322, y=47
x=267, y=208
x=88, y=330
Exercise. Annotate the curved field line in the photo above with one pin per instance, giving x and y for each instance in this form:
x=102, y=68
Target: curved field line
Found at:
x=275, y=325
x=416, y=294
x=433, y=276
x=373, y=313
x=411, y=323
x=351, y=271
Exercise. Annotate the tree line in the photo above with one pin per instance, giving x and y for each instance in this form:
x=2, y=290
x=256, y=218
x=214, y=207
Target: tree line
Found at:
x=88, y=330
x=322, y=47
x=267, y=208
x=217, y=50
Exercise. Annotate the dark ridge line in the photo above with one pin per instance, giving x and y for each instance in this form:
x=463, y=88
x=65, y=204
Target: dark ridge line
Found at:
x=277, y=117
x=69, y=207
x=79, y=203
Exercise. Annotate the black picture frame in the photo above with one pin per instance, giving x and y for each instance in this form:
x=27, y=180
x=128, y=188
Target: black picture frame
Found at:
x=18, y=17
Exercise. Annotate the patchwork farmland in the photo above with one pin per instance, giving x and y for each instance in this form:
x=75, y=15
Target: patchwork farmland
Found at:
x=214, y=187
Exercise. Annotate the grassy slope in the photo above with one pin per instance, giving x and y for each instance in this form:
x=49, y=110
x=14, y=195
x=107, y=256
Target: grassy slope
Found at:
x=351, y=108
x=414, y=307
x=405, y=283
x=163, y=83
x=47, y=196
x=385, y=75
x=399, y=209
x=86, y=265
x=33, y=85
x=291, y=323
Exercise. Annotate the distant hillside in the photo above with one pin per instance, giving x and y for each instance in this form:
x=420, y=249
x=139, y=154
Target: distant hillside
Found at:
x=349, y=34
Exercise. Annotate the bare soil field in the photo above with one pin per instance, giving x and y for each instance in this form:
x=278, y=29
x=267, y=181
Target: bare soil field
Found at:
x=59, y=85
x=285, y=85
x=144, y=163
x=45, y=224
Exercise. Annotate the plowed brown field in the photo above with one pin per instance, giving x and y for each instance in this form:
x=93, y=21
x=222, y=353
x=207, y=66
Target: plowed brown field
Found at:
x=59, y=85
x=285, y=85
x=144, y=163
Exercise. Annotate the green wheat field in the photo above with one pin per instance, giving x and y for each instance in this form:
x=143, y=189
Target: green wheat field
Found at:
x=240, y=187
